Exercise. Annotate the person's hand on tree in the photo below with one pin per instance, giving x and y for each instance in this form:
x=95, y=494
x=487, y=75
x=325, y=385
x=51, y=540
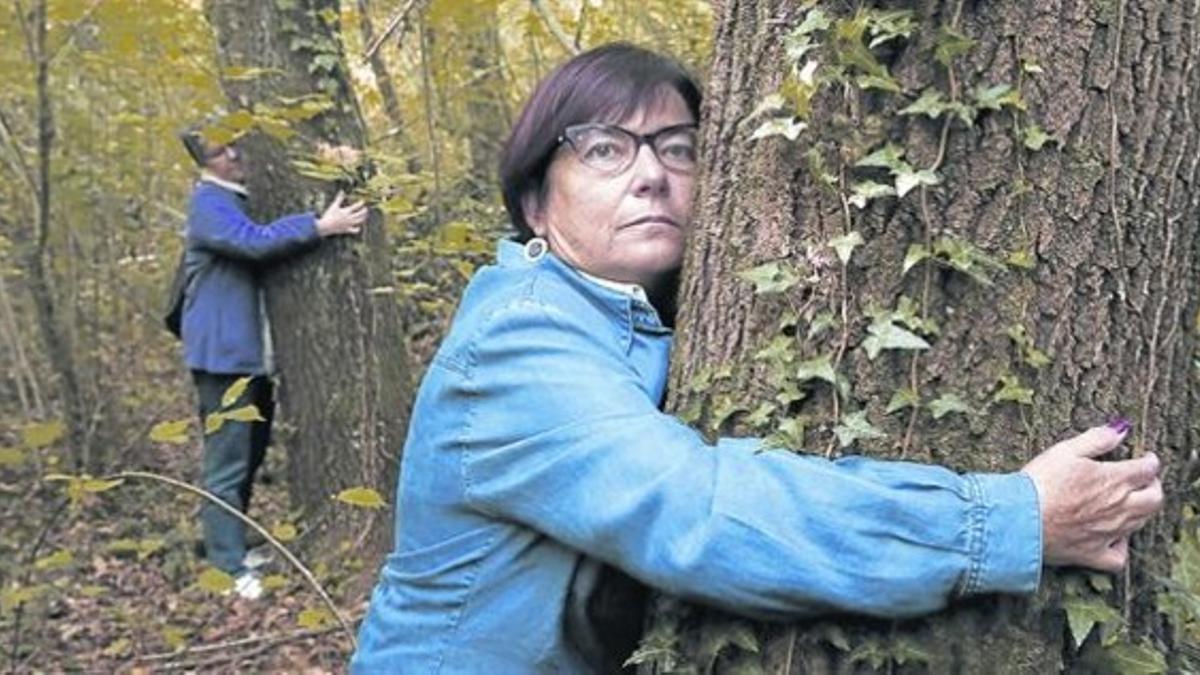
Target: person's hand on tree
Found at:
x=1089, y=508
x=342, y=218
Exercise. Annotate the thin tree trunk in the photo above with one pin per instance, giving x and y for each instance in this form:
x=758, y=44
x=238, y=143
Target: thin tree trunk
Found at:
x=1062, y=276
x=58, y=347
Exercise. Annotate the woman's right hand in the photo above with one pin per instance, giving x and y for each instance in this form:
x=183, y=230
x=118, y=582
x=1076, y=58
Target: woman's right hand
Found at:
x=340, y=218
x=1089, y=508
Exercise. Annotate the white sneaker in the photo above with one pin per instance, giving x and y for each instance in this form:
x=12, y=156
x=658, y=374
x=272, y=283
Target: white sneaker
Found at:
x=257, y=558
x=248, y=586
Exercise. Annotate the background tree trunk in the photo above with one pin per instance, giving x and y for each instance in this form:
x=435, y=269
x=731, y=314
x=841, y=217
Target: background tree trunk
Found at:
x=339, y=346
x=1061, y=275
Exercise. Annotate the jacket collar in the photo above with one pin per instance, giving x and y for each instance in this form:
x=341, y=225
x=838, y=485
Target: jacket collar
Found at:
x=236, y=188
x=626, y=301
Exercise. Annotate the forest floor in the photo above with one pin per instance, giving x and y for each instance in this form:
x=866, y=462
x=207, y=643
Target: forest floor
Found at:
x=112, y=582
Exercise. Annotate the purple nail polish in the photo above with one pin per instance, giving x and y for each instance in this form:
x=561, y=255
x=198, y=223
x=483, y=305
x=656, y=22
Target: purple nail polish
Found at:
x=1120, y=425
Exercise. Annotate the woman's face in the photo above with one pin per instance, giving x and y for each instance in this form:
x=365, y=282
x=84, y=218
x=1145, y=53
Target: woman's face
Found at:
x=627, y=226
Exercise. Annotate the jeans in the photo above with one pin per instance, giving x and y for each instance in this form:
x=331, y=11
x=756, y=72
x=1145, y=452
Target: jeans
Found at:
x=232, y=455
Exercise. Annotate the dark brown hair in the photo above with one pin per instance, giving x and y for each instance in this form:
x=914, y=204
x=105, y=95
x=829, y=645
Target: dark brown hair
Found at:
x=605, y=84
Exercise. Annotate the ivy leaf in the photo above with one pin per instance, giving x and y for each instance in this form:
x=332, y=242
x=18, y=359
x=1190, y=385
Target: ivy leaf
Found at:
x=885, y=334
x=915, y=254
x=788, y=127
x=931, y=104
x=174, y=636
x=889, y=25
x=361, y=496
x=42, y=434
x=998, y=96
x=867, y=190
x=234, y=392
x=903, y=398
x=949, y=403
x=770, y=278
x=1011, y=390
x=815, y=20
x=950, y=44
x=1034, y=138
x=907, y=180
x=778, y=350
x=214, y=580
x=170, y=432
x=1084, y=614
x=855, y=427
x=1136, y=659
x=890, y=157
x=820, y=368
x=880, y=82
x=845, y=245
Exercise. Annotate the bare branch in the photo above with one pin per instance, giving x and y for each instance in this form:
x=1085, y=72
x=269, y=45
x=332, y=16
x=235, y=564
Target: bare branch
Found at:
x=554, y=26
x=398, y=22
x=87, y=14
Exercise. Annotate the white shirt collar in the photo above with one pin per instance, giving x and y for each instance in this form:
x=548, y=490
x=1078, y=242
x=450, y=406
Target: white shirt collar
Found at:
x=632, y=290
x=208, y=177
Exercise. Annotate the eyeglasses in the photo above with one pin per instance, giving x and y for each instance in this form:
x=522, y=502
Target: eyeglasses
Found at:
x=612, y=149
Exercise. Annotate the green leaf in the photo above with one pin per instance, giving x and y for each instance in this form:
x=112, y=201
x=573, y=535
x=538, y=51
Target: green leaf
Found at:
x=907, y=180
x=889, y=25
x=815, y=20
x=1011, y=390
x=867, y=190
x=883, y=333
x=788, y=435
x=780, y=349
x=1022, y=259
x=788, y=127
x=97, y=485
x=950, y=44
x=234, y=392
x=284, y=532
x=1030, y=66
x=273, y=582
x=770, y=278
x=820, y=368
x=845, y=245
x=170, y=432
x=214, y=580
x=879, y=82
x=931, y=104
x=246, y=413
x=42, y=434
x=57, y=560
x=364, y=497
x=915, y=254
x=890, y=157
x=903, y=398
x=174, y=636
x=11, y=456
x=1136, y=659
x=949, y=403
x=213, y=423
x=997, y=97
x=1034, y=138
x=1084, y=614
x=314, y=618
x=855, y=427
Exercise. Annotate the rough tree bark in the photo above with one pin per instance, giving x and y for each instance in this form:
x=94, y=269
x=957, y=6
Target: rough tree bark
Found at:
x=1090, y=307
x=339, y=347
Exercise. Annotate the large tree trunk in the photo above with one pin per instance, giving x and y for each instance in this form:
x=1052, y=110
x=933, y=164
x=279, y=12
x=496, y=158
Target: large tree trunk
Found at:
x=339, y=347
x=1063, y=283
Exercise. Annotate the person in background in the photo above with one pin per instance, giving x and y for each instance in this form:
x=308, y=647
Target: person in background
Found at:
x=541, y=486
x=225, y=333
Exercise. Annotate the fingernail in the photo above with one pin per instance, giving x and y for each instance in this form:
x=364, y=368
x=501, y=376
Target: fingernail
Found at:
x=1120, y=425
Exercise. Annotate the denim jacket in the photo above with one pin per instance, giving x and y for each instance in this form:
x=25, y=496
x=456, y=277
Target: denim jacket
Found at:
x=537, y=453
x=223, y=255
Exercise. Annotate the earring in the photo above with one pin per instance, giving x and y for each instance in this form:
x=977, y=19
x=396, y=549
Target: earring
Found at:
x=536, y=248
